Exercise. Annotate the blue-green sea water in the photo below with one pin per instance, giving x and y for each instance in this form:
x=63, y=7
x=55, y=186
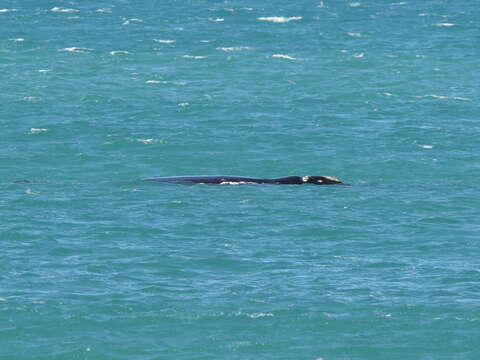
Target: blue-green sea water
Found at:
x=96, y=96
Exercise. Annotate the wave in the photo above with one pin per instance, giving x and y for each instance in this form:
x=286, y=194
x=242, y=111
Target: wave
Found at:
x=279, y=19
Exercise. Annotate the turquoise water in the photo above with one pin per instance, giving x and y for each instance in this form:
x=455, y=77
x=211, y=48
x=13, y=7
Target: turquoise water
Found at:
x=99, y=264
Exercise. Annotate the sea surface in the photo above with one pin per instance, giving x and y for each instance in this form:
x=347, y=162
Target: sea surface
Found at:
x=97, y=96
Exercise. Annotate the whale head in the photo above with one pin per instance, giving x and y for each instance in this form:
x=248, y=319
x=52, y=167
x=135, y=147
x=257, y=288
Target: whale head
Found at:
x=321, y=180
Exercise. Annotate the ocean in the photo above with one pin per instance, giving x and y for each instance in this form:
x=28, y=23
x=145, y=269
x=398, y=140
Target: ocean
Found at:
x=97, y=263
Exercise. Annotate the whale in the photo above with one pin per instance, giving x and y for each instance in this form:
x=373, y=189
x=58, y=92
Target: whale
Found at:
x=233, y=180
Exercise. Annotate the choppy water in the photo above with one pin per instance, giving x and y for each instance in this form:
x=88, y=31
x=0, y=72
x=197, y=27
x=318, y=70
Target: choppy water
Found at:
x=98, y=264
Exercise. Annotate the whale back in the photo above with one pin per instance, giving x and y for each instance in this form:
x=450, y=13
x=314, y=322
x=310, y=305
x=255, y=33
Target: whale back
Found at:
x=228, y=179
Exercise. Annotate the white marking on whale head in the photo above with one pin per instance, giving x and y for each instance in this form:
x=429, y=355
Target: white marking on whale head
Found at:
x=332, y=178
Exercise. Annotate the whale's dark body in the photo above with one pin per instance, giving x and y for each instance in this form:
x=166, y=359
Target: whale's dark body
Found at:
x=228, y=179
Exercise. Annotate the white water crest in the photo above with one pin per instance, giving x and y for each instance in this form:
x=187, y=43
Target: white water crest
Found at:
x=282, y=56
x=236, y=183
x=37, y=130
x=134, y=20
x=443, y=97
x=234, y=48
x=279, y=19
x=178, y=83
x=193, y=57
x=115, y=52
x=63, y=10
x=164, y=41
x=76, y=49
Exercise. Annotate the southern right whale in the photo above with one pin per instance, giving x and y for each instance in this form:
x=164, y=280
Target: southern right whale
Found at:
x=229, y=179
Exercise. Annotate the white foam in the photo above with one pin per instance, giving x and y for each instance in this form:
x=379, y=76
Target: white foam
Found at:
x=104, y=10
x=37, y=130
x=259, y=315
x=354, y=34
x=234, y=48
x=193, y=57
x=146, y=141
x=253, y=315
x=7, y=10
x=236, y=183
x=435, y=14
x=443, y=97
x=76, y=49
x=44, y=70
x=445, y=24
x=238, y=344
x=30, y=192
x=359, y=56
x=399, y=3
x=222, y=9
x=178, y=83
x=355, y=4
x=30, y=98
x=63, y=10
x=164, y=41
x=426, y=146
x=282, y=56
x=218, y=20
x=115, y=52
x=17, y=39
x=185, y=104
x=279, y=19
x=128, y=21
